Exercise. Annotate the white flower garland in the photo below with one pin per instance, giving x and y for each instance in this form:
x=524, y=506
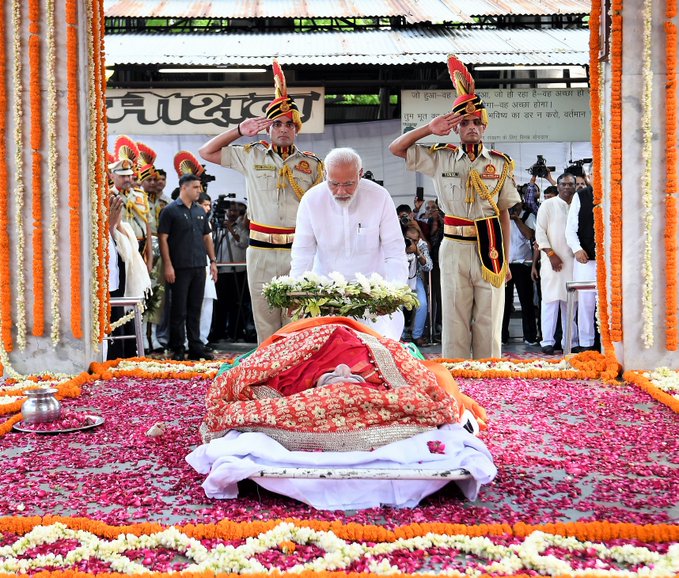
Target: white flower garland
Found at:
x=338, y=554
x=95, y=202
x=312, y=295
x=647, y=193
x=665, y=379
x=19, y=187
x=53, y=177
x=509, y=365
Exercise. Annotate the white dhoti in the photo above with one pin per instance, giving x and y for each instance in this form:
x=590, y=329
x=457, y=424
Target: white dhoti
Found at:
x=586, y=303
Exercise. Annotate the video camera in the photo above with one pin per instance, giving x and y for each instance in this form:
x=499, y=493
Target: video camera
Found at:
x=220, y=207
x=576, y=167
x=540, y=168
x=369, y=176
x=205, y=179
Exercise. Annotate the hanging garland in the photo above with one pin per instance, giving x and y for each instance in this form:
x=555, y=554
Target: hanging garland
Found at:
x=19, y=187
x=5, y=269
x=671, y=270
x=615, y=212
x=94, y=146
x=596, y=98
x=646, y=173
x=52, y=176
x=75, y=225
x=36, y=159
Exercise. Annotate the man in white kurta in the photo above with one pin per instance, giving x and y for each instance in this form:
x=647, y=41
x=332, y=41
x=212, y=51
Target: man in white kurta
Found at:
x=349, y=224
x=557, y=261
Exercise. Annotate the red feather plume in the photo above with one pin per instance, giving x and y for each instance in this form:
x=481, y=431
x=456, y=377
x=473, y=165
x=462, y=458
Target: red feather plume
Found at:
x=185, y=163
x=279, y=80
x=126, y=148
x=462, y=80
x=147, y=156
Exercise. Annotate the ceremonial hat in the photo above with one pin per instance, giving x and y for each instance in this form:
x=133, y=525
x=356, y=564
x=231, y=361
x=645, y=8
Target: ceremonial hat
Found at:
x=185, y=163
x=147, y=156
x=282, y=104
x=467, y=102
x=125, y=156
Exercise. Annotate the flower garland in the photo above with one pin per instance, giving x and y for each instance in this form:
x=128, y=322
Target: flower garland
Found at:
x=94, y=148
x=596, y=99
x=615, y=209
x=661, y=384
x=75, y=225
x=5, y=251
x=313, y=295
x=53, y=177
x=646, y=174
x=585, y=365
x=36, y=157
x=672, y=184
x=19, y=187
x=101, y=175
x=340, y=547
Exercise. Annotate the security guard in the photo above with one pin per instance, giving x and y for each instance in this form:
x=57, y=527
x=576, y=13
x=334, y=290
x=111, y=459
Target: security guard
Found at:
x=277, y=175
x=475, y=188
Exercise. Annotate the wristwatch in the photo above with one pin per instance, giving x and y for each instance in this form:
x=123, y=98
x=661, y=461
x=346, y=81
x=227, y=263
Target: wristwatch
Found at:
x=213, y=260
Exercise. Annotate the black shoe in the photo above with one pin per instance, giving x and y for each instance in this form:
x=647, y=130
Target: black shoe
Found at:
x=548, y=350
x=178, y=355
x=209, y=347
x=200, y=354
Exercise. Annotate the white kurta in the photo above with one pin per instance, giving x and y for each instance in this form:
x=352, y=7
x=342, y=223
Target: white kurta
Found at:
x=550, y=232
x=363, y=236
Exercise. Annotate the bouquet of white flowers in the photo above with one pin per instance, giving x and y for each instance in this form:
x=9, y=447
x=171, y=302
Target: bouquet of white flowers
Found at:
x=315, y=295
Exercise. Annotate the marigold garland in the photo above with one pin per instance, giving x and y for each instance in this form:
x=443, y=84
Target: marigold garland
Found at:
x=5, y=251
x=227, y=530
x=642, y=382
x=53, y=177
x=672, y=182
x=19, y=190
x=36, y=158
x=74, y=202
x=616, y=205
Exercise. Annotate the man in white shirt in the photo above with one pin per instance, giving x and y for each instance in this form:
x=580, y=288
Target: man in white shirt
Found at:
x=522, y=234
x=557, y=267
x=349, y=224
x=580, y=239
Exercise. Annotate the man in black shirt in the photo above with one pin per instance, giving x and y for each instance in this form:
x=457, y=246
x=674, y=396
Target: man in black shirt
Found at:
x=185, y=238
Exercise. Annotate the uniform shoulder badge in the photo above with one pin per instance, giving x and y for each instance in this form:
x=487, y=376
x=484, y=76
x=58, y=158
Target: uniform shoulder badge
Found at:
x=311, y=155
x=442, y=145
x=261, y=143
x=501, y=154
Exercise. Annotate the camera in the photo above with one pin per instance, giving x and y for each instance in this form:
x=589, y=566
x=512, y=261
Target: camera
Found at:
x=220, y=207
x=409, y=242
x=405, y=220
x=205, y=179
x=576, y=167
x=540, y=168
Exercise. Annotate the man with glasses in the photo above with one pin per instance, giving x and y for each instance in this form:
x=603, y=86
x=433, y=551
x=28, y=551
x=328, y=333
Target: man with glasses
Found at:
x=349, y=224
x=277, y=175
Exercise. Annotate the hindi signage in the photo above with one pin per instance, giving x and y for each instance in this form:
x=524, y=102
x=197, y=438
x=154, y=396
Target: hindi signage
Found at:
x=201, y=110
x=514, y=115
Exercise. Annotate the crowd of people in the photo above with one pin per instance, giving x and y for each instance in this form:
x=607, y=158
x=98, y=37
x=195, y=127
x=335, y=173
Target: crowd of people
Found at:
x=463, y=253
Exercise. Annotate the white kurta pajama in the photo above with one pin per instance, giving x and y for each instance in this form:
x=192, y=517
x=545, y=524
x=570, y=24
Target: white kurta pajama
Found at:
x=550, y=232
x=361, y=236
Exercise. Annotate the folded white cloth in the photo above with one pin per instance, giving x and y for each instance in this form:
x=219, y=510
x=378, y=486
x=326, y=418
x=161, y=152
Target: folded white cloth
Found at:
x=238, y=455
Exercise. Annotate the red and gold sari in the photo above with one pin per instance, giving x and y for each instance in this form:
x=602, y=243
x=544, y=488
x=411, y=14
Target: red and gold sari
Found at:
x=273, y=390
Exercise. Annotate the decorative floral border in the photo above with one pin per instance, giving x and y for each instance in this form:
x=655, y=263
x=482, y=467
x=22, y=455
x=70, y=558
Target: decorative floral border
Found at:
x=662, y=384
x=339, y=546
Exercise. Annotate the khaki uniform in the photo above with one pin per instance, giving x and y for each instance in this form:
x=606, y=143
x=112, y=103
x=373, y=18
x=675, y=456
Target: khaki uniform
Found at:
x=272, y=202
x=472, y=307
x=136, y=211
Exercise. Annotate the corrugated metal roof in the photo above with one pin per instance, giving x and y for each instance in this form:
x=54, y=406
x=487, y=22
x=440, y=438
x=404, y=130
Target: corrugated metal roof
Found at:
x=380, y=47
x=414, y=12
